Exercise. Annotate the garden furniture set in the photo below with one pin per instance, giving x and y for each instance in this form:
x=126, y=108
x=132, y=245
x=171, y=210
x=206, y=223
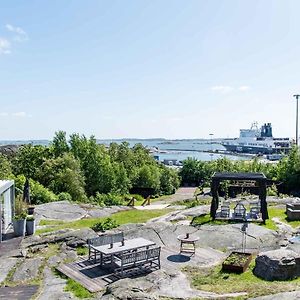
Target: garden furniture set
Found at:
x=122, y=255
x=239, y=211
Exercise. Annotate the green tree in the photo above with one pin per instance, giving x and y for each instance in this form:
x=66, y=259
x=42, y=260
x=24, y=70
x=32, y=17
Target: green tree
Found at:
x=63, y=174
x=5, y=167
x=59, y=144
x=169, y=181
x=95, y=164
x=122, y=183
x=29, y=160
x=148, y=177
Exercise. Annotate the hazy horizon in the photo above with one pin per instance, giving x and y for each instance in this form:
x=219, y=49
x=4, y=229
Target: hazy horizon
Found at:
x=139, y=69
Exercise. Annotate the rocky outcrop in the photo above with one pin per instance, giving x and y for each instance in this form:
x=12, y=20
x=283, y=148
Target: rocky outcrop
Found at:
x=67, y=211
x=227, y=237
x=72, y=238
x=128, y=289
x=27, y=270
x=53, y=287
x=60, y=210
x=6, y=264
x=183, y=214
x=9, y=150
x=280, y=296
x=281, y=264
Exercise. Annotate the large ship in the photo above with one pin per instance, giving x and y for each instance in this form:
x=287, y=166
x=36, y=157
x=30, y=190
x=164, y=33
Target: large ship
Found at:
x=258, y=141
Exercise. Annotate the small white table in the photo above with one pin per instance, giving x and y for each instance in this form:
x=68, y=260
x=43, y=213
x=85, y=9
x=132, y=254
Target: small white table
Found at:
x=117, y=248
x=187, y=243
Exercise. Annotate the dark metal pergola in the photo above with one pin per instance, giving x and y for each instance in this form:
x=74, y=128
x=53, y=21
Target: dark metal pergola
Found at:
x=260, y=180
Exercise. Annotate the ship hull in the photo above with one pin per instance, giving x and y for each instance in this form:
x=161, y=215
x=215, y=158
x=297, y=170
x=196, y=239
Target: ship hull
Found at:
x=251, y=150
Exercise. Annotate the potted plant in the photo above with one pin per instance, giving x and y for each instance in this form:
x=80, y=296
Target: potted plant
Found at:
x=237, y=262
x=30, y=225
x=27, y=198
x=19, y=220
x=30, y=210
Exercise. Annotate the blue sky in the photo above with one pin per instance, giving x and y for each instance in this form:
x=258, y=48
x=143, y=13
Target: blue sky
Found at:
x=174, y=69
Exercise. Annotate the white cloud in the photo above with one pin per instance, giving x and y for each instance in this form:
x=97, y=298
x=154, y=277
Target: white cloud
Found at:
x=4, y=46
x=17, y=30
x=244, y=88
x=21, y=34
x=20, y=114
x=222, y=89
x=3, y=114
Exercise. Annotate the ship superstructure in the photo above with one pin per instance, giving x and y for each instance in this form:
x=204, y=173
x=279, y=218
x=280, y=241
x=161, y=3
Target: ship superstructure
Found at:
x=258, y=141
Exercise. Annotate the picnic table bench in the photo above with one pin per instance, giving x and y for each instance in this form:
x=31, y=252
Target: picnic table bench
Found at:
x=102, y=240
x=136, y=259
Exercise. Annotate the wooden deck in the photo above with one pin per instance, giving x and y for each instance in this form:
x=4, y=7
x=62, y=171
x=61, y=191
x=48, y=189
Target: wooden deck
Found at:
x=92, y=277
x=18, y=292
x=89, y=275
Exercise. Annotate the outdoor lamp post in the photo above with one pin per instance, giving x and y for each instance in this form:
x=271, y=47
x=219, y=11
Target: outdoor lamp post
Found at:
x=297, y=97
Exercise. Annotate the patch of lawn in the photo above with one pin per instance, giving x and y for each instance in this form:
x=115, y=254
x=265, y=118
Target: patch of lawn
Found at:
x=281, y=215
x=206, y=219
x=82, y=251
x=77, y=289
x=123, y=217
x=74, y=287
x=215, y=280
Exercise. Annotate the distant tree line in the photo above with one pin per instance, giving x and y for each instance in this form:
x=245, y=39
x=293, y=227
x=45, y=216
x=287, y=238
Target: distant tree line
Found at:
x=79, y=169
x=286, y=171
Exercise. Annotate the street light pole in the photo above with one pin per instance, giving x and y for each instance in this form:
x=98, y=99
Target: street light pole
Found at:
x=297, y=97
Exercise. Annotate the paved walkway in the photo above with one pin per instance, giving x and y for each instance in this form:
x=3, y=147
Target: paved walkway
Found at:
x=183, y=193
x=152, y=206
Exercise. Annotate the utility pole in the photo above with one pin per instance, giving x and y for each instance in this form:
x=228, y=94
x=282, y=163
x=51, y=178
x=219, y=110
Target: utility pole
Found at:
x=297, y=97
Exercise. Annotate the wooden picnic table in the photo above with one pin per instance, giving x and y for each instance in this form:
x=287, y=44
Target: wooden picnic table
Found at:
x=132, y=244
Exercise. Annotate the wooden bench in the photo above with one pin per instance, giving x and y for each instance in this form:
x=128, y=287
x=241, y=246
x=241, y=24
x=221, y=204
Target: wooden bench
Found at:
x=137, y=259
x=100, y=241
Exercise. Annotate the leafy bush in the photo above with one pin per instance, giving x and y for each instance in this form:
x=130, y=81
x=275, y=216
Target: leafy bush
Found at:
x=108, y=199
x=272, y=190
x=136, y=196
x=64, y=197
x=105, y=225
x=40, y=194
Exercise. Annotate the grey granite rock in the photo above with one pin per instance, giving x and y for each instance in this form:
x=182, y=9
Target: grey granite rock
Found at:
x=128, y=289
x=280, y=296
x=67, y=211
x=6, y=264
x=224, y=237
x=281, y=264
x=60, y=210
x=73, y=238
x=27, y=270
x=53, y=287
